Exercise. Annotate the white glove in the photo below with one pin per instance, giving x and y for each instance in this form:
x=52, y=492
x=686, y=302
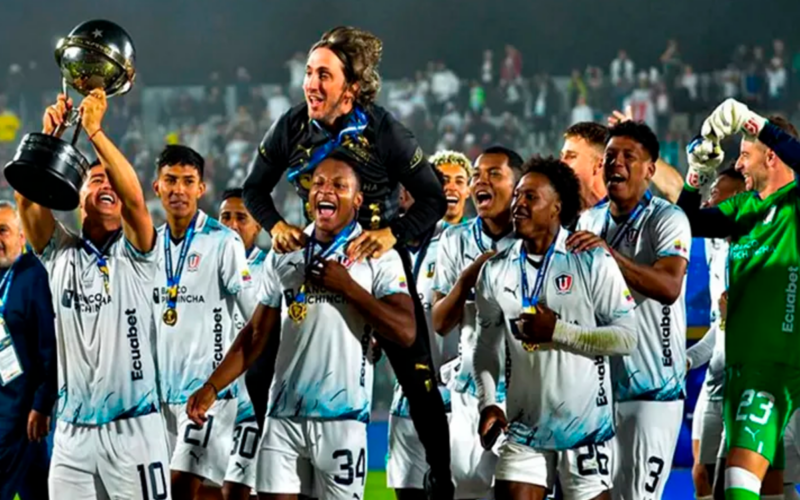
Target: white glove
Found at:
x=730, y=118
x=705, y=157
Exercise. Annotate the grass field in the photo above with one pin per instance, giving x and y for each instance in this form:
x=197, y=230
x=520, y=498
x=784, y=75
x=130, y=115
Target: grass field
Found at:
x=376, y=486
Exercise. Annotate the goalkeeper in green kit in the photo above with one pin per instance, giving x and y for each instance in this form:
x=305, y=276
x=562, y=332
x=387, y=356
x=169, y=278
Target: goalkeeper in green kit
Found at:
x=762, y=345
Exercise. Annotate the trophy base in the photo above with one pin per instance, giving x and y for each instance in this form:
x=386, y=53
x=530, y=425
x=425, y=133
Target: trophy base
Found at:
x=48, y=171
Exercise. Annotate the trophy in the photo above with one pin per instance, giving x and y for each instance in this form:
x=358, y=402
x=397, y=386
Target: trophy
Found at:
x=46, y=169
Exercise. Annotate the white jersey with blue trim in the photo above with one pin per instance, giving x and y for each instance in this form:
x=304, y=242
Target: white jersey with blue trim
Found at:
x=655, y=371
x=106, y=369
x=324, y=369
x=556, y=399
x=255, y=263
x=459, y=246
x=214, y=280
x=717, y=259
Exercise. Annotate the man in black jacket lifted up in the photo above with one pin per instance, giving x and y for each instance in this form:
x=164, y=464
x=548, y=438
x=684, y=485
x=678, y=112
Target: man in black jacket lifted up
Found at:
x=339, y=114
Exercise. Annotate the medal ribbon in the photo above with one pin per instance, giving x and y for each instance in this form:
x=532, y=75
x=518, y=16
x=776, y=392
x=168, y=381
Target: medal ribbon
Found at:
x=628, y=224
x=477, y=233
x=338, y=242
x=422, y=250
x=174, y=277
x=529, y=300
x=100, y=257
x=356, y=124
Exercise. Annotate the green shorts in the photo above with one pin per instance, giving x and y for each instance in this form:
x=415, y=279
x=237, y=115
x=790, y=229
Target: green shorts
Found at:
x=759, y=399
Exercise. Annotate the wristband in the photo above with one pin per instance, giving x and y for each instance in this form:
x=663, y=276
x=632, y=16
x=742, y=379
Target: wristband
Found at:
x=91, y=137
x=216, y=391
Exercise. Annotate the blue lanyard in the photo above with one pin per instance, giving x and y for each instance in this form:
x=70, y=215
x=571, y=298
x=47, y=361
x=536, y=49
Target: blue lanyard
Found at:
x=356, y=124
x=628, y=224
x=174, y=277
x=530, y=300
x=5, y=286
x=100, y=258
x=338, y=242
x=422, y=251
x=477, y=234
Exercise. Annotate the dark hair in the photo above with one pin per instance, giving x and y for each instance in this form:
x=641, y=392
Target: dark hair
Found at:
x=439, y=176
x=782, y=123
x=515, y=161
x=235, y=192
x=639, y=132
x=731, y=173
x=593, y=133
x=340, y=155
x=564, y=182
x=360, y=53
x=175, y=154
x=95, y=163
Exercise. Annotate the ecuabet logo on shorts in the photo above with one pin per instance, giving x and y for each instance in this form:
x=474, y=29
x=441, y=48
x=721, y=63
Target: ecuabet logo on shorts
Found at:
x=563, y=283
x=193, y=262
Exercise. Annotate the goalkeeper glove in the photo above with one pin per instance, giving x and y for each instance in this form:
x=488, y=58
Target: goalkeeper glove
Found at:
x=732, y=117
x=705, y=157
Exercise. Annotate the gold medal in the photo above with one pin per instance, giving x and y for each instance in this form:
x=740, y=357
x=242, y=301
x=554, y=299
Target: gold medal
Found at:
x=170, y=316
x=530, y=347
x=298, y=311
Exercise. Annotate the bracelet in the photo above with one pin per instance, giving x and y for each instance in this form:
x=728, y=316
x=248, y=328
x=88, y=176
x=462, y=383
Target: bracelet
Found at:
x=91, y=137
x=216, y=391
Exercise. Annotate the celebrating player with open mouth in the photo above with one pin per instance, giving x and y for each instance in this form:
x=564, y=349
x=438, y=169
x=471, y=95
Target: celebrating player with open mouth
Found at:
x=555, y=316
x=321, y=394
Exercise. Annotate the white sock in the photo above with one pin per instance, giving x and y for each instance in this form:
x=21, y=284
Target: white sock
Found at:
x=790, y=492
x=736, y=477
x=709, y=497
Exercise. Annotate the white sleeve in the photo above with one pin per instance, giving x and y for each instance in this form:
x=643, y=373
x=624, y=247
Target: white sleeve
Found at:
x=61, y=239
x=145, y=264
x=446, y=272
x=234, y=275
x=270, y=292
x=389, y=277
x=487, y=357
x=700, y=353
x=672, y=235
x=615, y=332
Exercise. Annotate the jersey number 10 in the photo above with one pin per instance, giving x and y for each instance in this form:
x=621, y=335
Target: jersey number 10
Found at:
x=157, y=486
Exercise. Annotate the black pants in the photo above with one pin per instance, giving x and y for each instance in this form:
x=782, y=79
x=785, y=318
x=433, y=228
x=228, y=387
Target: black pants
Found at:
x=413, y=367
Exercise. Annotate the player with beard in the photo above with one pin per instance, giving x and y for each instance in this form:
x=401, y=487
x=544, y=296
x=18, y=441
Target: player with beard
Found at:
x=340, y=114
x=554, y=316
x=202, y=280
x=110, y=440
x=240, y=478
x=649, y=238
x=320, y=399
x=405, y=464
x=760, y=392
x=463, y=250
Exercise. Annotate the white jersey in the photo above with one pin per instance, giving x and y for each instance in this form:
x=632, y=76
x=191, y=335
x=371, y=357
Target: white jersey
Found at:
x=655, y=371
x=255, y=263
x=717, y=258
x=459, y=246
x=557, y=399
x=214, y=279
x=323, y=369
x=106, y=369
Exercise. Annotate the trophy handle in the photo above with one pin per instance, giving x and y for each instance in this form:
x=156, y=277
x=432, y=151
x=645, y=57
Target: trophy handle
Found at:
x=72, y=118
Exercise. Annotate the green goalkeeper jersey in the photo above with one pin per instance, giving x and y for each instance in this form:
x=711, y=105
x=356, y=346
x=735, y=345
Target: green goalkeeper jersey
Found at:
x=764, y=268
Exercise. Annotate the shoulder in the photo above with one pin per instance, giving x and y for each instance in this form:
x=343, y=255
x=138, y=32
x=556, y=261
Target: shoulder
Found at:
x=389, y=259
x=589, y=217
x=455, y=233
x=30, y=266
x=666, y=211
x=500, y=261
x=296, y=116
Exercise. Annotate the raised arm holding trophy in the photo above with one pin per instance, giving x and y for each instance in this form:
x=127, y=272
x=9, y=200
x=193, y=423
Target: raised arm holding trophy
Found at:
x=46, y=169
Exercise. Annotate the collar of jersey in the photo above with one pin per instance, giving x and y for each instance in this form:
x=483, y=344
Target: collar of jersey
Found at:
x=561, y=244
x=507, y=234
x=777, y=193
x=309, y=230
x=198, y=225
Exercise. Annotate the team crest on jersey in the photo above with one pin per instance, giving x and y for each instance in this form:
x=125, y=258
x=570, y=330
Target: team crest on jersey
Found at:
x=563, y=283
x=193, y=262
x=431, y=269
x=345, y=261
x=631, y=236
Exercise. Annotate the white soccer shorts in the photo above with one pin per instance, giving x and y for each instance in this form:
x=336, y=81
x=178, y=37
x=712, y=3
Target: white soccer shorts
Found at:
x=473, y=467
x=647, y=434
x=201, y=450
x=699, y=410
x=584, y=473
x=326, y=457
x=122, y=459
x=405, y=462
x=244, y=454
